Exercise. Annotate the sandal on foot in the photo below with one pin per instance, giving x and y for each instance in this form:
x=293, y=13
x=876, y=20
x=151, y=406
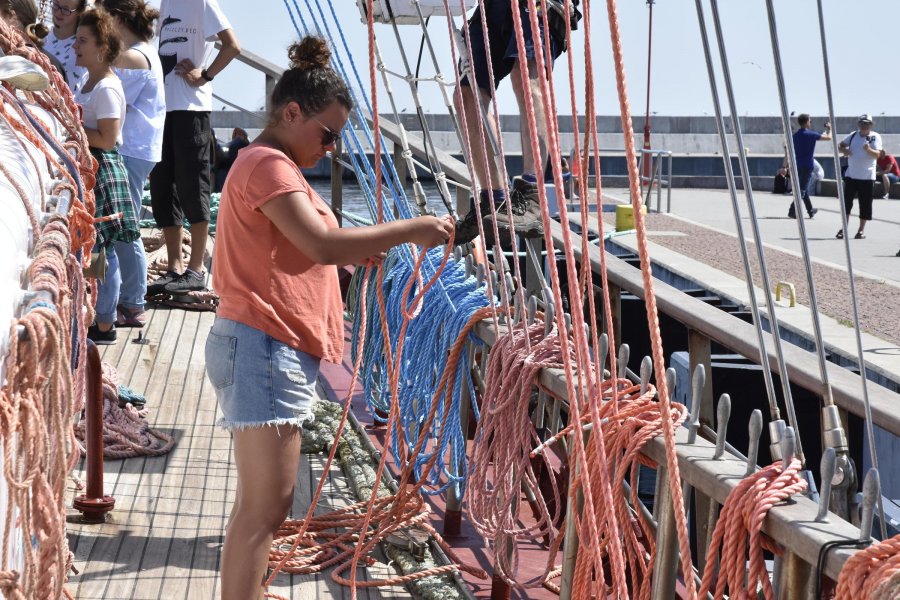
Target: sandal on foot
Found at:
x=860, y=235
x=840, y=234
x=130, y=317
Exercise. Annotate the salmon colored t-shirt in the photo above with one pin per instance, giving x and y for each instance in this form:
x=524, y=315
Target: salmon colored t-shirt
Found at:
x=262, y=279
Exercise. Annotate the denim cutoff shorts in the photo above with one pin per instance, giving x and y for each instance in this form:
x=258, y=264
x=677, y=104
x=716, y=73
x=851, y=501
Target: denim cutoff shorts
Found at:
x=258, y=380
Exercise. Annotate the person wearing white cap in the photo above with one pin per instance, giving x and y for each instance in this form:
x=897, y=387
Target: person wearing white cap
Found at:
x=862, y=148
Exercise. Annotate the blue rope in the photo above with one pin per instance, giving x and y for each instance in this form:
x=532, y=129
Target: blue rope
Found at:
x=445, y=309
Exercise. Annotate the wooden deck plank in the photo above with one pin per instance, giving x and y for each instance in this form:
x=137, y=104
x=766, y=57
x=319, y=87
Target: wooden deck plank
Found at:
x=127, y=527
x=145, y=363
x=164, y=538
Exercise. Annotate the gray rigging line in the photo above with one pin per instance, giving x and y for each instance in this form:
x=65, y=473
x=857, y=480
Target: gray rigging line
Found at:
x=776, y=426
x=870, y=428
x=834, y=434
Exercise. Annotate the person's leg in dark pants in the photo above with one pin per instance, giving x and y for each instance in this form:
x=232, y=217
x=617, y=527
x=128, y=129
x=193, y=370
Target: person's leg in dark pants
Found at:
x=850, y=189
x=164, y=203
x=866, y=196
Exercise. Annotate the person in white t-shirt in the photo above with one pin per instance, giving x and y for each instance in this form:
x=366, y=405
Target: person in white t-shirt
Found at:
x=102, y=103
x=140, y=72
x=180, y=183
x=862, y=147
x=62, y=36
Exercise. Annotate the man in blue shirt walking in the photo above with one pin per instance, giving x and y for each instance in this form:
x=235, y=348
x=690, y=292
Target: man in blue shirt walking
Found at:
x=804, y=148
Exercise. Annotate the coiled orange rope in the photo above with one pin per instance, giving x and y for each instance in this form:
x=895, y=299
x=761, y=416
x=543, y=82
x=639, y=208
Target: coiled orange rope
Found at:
x=738, y=538
x=872, y=573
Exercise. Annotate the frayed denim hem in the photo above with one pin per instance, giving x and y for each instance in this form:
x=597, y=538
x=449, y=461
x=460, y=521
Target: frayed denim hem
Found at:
x=241, y=425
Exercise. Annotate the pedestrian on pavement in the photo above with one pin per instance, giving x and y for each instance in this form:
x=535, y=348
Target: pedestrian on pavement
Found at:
x=888, y=171
x=862, y=148
x=804, y=148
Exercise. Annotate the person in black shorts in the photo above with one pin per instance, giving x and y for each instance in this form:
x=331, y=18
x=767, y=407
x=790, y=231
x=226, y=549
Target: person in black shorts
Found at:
x=180, y=182
x=862, y=148
x=504, y=57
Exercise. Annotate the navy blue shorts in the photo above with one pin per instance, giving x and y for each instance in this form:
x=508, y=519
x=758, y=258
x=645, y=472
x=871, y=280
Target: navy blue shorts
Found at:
x=502, y=38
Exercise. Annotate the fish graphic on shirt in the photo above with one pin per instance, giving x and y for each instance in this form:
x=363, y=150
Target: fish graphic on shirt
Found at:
x=169, y=60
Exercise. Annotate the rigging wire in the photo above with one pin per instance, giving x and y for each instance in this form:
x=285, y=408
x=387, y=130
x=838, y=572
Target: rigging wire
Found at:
x=863, y=377
x=777, y=424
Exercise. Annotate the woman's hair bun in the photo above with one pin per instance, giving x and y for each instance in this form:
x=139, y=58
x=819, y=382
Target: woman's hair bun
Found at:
x=311, y=52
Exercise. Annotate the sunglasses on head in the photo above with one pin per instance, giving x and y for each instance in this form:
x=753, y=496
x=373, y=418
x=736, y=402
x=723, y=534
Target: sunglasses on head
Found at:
x=329, y=135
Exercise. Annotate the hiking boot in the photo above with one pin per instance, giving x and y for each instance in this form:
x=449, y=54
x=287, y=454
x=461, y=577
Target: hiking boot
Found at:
x=186, y=282
x=526, y=211
x=466, y=229
x=158, y=286
x=102, y=338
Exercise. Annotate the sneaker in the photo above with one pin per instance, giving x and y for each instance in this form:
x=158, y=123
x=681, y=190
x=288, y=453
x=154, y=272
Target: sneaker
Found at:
x=526, y=211
x=886, y=197
x=186, y=282
x=130, y=317
x=813, y=212
x=102, y=338
x=158, y=286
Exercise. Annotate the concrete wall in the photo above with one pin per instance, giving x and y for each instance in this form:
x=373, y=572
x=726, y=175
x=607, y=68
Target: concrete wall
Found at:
x=693, y=140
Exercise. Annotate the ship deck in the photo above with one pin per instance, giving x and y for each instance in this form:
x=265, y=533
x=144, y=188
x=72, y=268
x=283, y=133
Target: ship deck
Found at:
x=164, y=537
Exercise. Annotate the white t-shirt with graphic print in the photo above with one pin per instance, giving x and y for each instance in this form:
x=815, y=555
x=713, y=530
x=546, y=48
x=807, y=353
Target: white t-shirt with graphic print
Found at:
x=62, y=50
x=187, y=29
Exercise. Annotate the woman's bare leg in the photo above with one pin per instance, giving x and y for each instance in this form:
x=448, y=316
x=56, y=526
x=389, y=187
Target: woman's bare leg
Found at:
x=267, y=459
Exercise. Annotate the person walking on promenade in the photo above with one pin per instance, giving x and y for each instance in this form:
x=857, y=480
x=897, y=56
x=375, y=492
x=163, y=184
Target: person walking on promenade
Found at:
x=862, y=148
x=180, y=182
x=804, y=149
x=889, y=172
x=140, y=72
x=280, y=310
x=61, y=38
x=504, y=61
x=102, y=100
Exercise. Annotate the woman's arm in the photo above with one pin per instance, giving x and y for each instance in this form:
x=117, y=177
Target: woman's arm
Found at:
x=295, y=217
x=105, y=136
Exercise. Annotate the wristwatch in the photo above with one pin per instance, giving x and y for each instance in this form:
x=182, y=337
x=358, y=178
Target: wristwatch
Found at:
x=206, y=75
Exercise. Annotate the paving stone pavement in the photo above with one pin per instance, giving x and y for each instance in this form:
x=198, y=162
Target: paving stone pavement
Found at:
x=702, y=226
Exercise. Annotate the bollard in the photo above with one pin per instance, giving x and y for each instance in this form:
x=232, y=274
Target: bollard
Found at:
x=93, y=505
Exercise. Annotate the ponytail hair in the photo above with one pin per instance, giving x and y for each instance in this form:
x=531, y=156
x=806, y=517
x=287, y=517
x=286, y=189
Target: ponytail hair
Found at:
x=137, y=15
x=310, y=81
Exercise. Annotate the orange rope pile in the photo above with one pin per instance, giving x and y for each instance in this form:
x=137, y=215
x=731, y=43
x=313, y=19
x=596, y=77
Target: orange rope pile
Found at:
x=872, y=573
x=36, y=412
x=46, y=385
x=126, y=433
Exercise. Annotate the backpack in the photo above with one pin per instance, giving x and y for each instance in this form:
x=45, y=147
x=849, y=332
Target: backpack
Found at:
x=844, y=161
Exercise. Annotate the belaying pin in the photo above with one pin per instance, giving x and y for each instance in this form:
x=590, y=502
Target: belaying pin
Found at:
x=723, y=413
x=755, y=430
x=828, y=465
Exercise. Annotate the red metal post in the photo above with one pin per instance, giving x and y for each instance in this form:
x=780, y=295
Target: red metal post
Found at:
x=93, y=505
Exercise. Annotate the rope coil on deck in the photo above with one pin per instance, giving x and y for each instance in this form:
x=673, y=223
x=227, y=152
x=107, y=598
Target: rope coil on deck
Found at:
x=126, y=433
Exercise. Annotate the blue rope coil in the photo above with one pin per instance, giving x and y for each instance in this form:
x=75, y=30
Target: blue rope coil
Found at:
x=445, y=310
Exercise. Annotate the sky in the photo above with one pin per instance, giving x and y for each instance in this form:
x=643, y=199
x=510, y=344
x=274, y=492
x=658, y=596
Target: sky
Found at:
x=861, y=55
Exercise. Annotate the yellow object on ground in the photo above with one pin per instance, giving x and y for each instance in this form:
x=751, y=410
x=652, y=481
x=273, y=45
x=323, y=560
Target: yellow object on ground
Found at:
x=625, y=216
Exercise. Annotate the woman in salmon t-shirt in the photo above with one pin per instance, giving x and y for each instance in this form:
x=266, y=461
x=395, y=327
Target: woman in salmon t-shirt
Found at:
x=280, y=309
